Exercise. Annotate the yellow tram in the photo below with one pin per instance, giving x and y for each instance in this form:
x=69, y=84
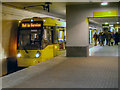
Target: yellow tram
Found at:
x=38, y=40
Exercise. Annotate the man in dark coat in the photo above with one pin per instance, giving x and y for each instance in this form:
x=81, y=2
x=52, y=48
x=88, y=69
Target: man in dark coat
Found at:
x=116, y=38
x=109, y=36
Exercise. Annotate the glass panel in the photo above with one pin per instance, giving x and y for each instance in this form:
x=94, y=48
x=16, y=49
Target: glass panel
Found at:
x=29, y=39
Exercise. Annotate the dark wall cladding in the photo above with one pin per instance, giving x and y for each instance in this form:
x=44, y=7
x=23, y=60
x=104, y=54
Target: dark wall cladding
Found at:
x=60, y=89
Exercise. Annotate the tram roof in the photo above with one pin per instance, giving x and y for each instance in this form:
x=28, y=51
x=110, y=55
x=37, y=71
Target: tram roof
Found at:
x=47, y=21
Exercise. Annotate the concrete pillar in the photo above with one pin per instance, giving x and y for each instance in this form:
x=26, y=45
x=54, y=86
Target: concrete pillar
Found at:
x=77, y=33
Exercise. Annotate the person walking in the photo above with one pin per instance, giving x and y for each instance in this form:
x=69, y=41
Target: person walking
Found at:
x=113, y=35
x=112, y=41
x=109, y=36
x=106, y=38
x=116, y=38
x=119, y=35
x=95, y=36
x=102, y=39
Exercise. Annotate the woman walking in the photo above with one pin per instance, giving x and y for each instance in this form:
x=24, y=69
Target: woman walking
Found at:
x=95, y=38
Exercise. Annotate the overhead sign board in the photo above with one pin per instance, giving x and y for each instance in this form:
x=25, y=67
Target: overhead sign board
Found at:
x=110, y=13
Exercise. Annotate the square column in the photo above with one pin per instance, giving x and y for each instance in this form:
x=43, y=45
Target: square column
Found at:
x=77, y=33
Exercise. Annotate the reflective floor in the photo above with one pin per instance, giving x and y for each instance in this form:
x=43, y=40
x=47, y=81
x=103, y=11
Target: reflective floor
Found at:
x=103, y=50
x=67, y=72
x=70, y=72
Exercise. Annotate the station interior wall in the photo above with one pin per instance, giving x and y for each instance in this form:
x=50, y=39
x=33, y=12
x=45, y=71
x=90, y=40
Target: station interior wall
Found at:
x=8, y=44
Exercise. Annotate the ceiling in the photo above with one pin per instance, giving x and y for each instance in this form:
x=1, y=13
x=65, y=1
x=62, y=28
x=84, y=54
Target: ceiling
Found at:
x=60, y=0
x=103, y=20
x=57, y=9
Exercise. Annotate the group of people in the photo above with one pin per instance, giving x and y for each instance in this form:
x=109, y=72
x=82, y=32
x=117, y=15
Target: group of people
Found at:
x=110, y=37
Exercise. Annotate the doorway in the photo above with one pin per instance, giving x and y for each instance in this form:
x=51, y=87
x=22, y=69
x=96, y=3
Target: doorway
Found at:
x=104, y=36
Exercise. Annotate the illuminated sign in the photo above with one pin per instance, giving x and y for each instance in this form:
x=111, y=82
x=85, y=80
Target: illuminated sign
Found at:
x=111, y=13
x=60, y=28
x=31, y=25
x=28, y=25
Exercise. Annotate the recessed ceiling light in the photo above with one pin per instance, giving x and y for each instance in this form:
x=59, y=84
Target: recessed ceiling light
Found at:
x=117, y=22
x=106, y=22
x=19, y=21
x=31, y=20
x=111, y=25
x=90, y=27
x=104, y=3
x=44, y=20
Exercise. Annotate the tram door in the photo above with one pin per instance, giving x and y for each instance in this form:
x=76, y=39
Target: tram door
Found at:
x=52, y=36
x=49, y=36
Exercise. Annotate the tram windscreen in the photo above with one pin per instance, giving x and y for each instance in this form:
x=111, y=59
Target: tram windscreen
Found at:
x=29, y=39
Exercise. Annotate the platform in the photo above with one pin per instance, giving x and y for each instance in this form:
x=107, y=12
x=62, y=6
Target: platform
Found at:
x=104, y=50
x=64, y=72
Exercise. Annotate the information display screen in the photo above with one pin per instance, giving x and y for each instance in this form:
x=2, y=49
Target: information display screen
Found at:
x=31, y=25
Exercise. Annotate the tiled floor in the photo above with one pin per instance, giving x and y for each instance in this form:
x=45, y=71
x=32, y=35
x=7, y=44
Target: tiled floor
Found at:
x=103, y=51
x=100, y=70
x=64, y=72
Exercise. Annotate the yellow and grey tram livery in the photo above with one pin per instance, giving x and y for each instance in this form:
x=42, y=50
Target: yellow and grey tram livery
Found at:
x=38, y=40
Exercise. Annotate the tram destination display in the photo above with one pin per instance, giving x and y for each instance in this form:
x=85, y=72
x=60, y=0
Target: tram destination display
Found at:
x=31, y=25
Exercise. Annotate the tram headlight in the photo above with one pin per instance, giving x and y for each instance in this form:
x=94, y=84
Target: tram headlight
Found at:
x=18, y=55
x=37, y=55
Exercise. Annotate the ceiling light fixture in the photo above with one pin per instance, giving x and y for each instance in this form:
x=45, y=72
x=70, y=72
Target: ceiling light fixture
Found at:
x=104, y=3
x=106, y=23
x=111, y=25
x=90, y=27
x=117, y=22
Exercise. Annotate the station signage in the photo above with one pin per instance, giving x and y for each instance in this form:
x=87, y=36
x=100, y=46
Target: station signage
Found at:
x=28, y=25
x=60, y=29
x=31, y=25
x=109, y=13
